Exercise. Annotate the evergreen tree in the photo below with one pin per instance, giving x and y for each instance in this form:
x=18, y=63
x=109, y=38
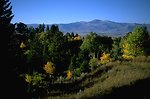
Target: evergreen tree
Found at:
x=54, y=29
x=47, y=28
x=41, y=28
x=56, y=41
x=5, y=15
x=14, y=84
x=116, y=50
x=31, y=32
x=6, y=27
x=21, y=28
x=72, y=35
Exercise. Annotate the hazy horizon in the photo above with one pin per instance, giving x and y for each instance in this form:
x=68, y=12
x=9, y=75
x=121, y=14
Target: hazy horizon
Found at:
x=86, y=21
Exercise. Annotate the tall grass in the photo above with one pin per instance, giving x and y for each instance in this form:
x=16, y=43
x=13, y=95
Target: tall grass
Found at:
x=104, y=79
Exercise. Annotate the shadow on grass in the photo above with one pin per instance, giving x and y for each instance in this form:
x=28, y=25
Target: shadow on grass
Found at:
x=139, y=90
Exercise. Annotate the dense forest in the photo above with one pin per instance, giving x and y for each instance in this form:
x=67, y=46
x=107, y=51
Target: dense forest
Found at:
x=47, y=63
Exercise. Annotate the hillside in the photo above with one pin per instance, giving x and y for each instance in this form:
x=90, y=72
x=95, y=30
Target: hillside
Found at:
x=117, y=80
x=102, y=27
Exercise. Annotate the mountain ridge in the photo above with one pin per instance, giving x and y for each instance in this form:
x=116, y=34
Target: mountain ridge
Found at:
x=102, y=27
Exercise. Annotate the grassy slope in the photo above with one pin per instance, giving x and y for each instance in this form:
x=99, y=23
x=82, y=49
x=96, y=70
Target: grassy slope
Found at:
x=108, y=79
x=118, y=76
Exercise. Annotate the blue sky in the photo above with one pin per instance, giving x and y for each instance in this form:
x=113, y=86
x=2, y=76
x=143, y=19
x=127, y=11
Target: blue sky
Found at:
x=66, y=11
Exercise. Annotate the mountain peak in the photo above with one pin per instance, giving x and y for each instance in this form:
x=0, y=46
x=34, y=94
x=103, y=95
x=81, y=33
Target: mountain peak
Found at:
x=95, y=20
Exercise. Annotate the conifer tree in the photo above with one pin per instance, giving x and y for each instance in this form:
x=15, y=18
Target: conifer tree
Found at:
x=5, y=15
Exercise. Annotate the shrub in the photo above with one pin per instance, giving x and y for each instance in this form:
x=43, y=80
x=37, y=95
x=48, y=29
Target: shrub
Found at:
x=93, y=63
x=69, y=74
x=77, y=38
x=105, y=58
x=22, y=45
x=28, y=78
x=49, y=67
x=84, y=66
x=77, y=72
x=35, y=79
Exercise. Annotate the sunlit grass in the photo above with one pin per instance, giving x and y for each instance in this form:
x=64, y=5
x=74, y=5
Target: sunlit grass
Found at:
x=120, y=75
x=112, y=75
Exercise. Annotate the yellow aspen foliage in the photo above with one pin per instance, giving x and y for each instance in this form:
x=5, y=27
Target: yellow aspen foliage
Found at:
x=69, y=74
x=128, y=57
x=126, y=53
x=28, y=78
x=77, y=38
x=49, y=67
x=22, y=45
x=126, y=48
x=105, y=58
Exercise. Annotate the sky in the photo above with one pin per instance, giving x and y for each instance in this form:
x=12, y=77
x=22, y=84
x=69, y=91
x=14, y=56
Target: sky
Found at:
x=67, y=11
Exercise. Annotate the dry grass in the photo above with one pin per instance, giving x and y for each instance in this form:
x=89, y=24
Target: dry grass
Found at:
x=112, y=75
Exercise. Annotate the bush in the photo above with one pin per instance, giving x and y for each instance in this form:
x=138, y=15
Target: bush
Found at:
x=94, y=62
x=105, y=58
x=49, y=67
x=77, y=72
x=22, y=45
x=84, y=66
x=69, y=74
x=35, y=79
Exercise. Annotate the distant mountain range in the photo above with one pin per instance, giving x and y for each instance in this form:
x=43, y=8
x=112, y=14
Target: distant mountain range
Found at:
x=102, y=27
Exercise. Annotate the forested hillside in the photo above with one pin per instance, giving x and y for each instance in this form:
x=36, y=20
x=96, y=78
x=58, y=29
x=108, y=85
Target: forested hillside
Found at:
x=46, y=63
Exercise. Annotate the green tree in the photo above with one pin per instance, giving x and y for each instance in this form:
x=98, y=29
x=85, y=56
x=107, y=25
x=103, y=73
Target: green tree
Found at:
x=67, y=36
x=56, y=41
x=34, y=53
x=55, y=47
x=133, y=44
x=93, y=63
x=72, y=34
x=21, y=28
x=90, y=43
x=5, y=15
x=147, y=46
x=80, y=61
x=116, y=50
x=44, y=41
x=14, y=84
x=31, y=32
x=41, y=28
x=54, y=29
x=105, y=43
x=6, y=27
x=96, y=44
x=22, y=31
x=47, y=28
